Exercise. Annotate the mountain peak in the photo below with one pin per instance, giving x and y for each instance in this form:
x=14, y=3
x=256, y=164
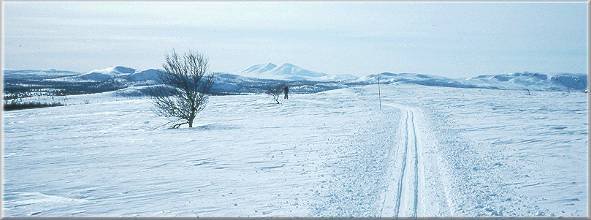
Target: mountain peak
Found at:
x=289, y=65
x=115, y=70
x=288, y=68
x=260, y=68
x=285, y=71
x=123, y=69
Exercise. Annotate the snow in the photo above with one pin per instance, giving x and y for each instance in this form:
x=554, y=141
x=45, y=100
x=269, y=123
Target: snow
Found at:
x=429, y=151
x=260, y=68
x=532, y=81
x=121, y=73
x=513, y=81
x=115, y=70
x=26, y=74
x=571, y=81
x=508, y=153
x=258, y=77
x=291, y=72
x=146, y=75
x=256, y=163
x=413, y=78
x=107, y=73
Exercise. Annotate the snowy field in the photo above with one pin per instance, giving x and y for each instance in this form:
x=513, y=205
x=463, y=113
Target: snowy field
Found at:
x=429, y=151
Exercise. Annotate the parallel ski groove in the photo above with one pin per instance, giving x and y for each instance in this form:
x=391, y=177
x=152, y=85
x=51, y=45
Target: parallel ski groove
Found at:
x=403, y=168
x=408, y=185
x=416, y=168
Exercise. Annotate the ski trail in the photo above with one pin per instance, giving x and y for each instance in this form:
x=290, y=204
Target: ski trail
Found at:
x=403, y=191
x=416, y=168
x=407, y=196
x=390, y=201
x=403, y=168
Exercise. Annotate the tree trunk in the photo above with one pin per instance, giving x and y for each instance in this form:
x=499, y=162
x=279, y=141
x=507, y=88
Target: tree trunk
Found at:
x=190, y=121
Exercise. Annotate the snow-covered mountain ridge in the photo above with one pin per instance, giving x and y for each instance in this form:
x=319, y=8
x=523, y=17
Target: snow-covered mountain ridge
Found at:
x=535, y=81
x=288, y=71
x=511, y=81
x=269, y=73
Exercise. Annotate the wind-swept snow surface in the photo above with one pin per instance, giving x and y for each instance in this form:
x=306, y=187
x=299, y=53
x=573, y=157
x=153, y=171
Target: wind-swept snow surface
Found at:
x=429, y=151
x=247, y=157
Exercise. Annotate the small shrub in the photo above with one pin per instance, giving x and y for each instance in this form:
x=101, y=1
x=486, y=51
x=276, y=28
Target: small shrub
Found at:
x=18, y=95
x=275, y=92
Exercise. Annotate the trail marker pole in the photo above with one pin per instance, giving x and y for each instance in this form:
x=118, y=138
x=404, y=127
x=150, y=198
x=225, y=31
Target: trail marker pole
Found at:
x=379, y=93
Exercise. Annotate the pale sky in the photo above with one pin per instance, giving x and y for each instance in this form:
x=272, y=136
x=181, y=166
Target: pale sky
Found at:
x=360, y=38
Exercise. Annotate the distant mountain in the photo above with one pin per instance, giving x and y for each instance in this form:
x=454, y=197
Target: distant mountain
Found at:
x=260, y=68
x=37, y=74
x=577, y=81
x=119, y=73
x=291, y=72
x=413, y=78
x=146, y=75
x=107, y=73
x=532, y=81
x=512, y=81
x=258, y=78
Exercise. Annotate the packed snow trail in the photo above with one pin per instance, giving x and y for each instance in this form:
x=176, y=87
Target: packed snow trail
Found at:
x=408, y=181
x=418, y=183
x=495, y=152
x=406, y=160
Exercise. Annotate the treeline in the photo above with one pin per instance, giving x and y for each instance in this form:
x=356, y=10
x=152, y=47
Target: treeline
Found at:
x=15, y=90
x=17, y=104
x=58, y=88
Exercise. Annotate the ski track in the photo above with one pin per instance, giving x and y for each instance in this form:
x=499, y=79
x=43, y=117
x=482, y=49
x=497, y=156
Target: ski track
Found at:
x=469, y=167
x=403, y=168
x=408, y=182
x=406, y=194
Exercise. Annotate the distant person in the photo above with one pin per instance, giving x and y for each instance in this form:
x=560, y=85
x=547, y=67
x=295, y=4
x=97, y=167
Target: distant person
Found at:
x=285, y=92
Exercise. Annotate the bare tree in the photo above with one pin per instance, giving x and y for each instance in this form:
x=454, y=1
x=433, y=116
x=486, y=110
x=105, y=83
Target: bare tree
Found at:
x=186, y=85
x=276, y=92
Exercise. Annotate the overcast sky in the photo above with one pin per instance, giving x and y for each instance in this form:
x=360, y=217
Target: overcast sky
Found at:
x=448, y=39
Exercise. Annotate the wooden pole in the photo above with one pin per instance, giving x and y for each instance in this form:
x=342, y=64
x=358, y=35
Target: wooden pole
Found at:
x=379, y=93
